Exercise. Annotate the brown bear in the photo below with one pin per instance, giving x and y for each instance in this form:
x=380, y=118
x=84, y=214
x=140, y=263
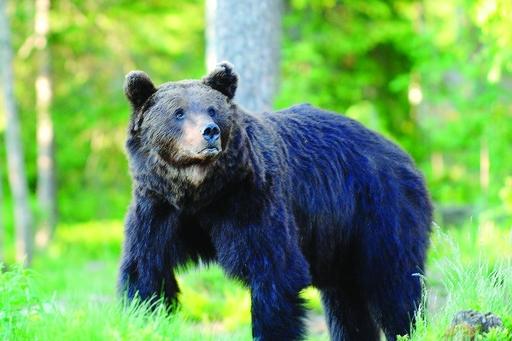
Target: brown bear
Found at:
x=280, y=200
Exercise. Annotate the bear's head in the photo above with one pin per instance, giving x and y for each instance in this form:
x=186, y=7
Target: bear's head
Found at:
x=187, y=123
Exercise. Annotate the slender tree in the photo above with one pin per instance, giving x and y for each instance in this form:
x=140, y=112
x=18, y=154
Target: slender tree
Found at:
x=247, y=34
x=15, y=158
x=46, y=188
x=2, y=227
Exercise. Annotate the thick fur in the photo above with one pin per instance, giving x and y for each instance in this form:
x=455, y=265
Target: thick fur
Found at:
x=297, y=197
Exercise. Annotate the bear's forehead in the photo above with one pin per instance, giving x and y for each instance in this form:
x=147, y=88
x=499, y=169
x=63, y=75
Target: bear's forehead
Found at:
x=187, y=93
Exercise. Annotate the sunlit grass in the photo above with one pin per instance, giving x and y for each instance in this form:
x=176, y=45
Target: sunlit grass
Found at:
x=469, y=268
x=76, y=280
x=70, y=293
x=479, y=287
x=482, y=239
x=86, y=320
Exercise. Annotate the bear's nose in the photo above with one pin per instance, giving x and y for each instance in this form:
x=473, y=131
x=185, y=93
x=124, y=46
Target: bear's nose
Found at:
x=211, y=133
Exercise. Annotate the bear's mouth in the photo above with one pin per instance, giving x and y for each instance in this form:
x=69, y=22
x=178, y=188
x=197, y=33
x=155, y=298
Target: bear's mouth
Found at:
x=209, y=151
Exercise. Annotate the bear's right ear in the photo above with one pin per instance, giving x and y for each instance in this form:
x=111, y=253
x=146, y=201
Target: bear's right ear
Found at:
x=138, y=87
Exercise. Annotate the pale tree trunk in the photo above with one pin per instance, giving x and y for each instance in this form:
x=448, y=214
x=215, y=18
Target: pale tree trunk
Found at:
x=247, y=34
x=45, y=137
x=15, y=158
x=2, y=227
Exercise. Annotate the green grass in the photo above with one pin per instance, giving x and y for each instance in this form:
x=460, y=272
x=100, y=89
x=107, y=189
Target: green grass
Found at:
x=461, y=277
x=70, y=295
x=70, y=292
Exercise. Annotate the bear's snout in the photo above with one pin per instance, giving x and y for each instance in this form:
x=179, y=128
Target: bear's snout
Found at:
x=200, y=138
x=211, y=133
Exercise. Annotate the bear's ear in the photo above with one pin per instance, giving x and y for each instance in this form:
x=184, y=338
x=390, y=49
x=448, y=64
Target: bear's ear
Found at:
x=223, y=79
x=138, y=87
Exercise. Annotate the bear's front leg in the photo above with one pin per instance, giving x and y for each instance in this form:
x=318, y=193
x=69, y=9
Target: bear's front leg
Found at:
x=277, y=310
x=149, y=252
x=267, y=258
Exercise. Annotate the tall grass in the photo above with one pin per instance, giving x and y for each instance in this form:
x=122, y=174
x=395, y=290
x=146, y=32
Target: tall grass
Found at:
x=25, y=315
x=70, y=294
x=456, y=281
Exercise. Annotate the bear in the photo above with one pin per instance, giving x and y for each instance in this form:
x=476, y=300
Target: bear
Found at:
x=280, y=200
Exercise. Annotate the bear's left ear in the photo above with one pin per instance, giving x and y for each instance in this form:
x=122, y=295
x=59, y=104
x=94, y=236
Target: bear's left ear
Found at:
x=223, y=79
x=138, y=87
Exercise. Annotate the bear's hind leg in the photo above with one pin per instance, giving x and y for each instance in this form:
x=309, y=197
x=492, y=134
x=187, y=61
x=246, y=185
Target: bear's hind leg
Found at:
x=397, y=305
x=348, y=315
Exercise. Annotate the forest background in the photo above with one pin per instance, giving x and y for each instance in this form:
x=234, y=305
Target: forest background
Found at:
x=434, y=76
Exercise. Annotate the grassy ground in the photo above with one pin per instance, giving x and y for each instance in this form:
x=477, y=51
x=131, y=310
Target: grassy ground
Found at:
x=70, y=292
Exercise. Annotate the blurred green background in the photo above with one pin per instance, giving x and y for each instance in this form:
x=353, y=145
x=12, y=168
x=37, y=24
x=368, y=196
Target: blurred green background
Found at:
x=434, y=76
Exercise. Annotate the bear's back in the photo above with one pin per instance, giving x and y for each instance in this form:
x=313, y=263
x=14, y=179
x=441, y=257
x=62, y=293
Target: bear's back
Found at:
x=335, y=165
x=319, y=135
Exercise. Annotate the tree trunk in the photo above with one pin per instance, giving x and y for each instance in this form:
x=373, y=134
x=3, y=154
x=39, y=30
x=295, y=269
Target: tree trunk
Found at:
x=247, y=34
x=15, y=158
x=46, y=188
x=2, y=227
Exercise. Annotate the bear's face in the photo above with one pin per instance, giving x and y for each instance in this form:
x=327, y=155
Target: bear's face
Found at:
x=187, y=123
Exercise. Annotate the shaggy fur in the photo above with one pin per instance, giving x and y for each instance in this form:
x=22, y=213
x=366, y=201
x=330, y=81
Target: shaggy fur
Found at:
x=294, y=198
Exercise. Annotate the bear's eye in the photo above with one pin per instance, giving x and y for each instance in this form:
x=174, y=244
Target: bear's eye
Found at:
x=179, y=113
x=211, y=111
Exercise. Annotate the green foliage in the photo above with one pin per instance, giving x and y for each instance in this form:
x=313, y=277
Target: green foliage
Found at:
x=93, y=45
x=19, y=299
x=371, y=59
x=434, y=76
x=340, y=55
